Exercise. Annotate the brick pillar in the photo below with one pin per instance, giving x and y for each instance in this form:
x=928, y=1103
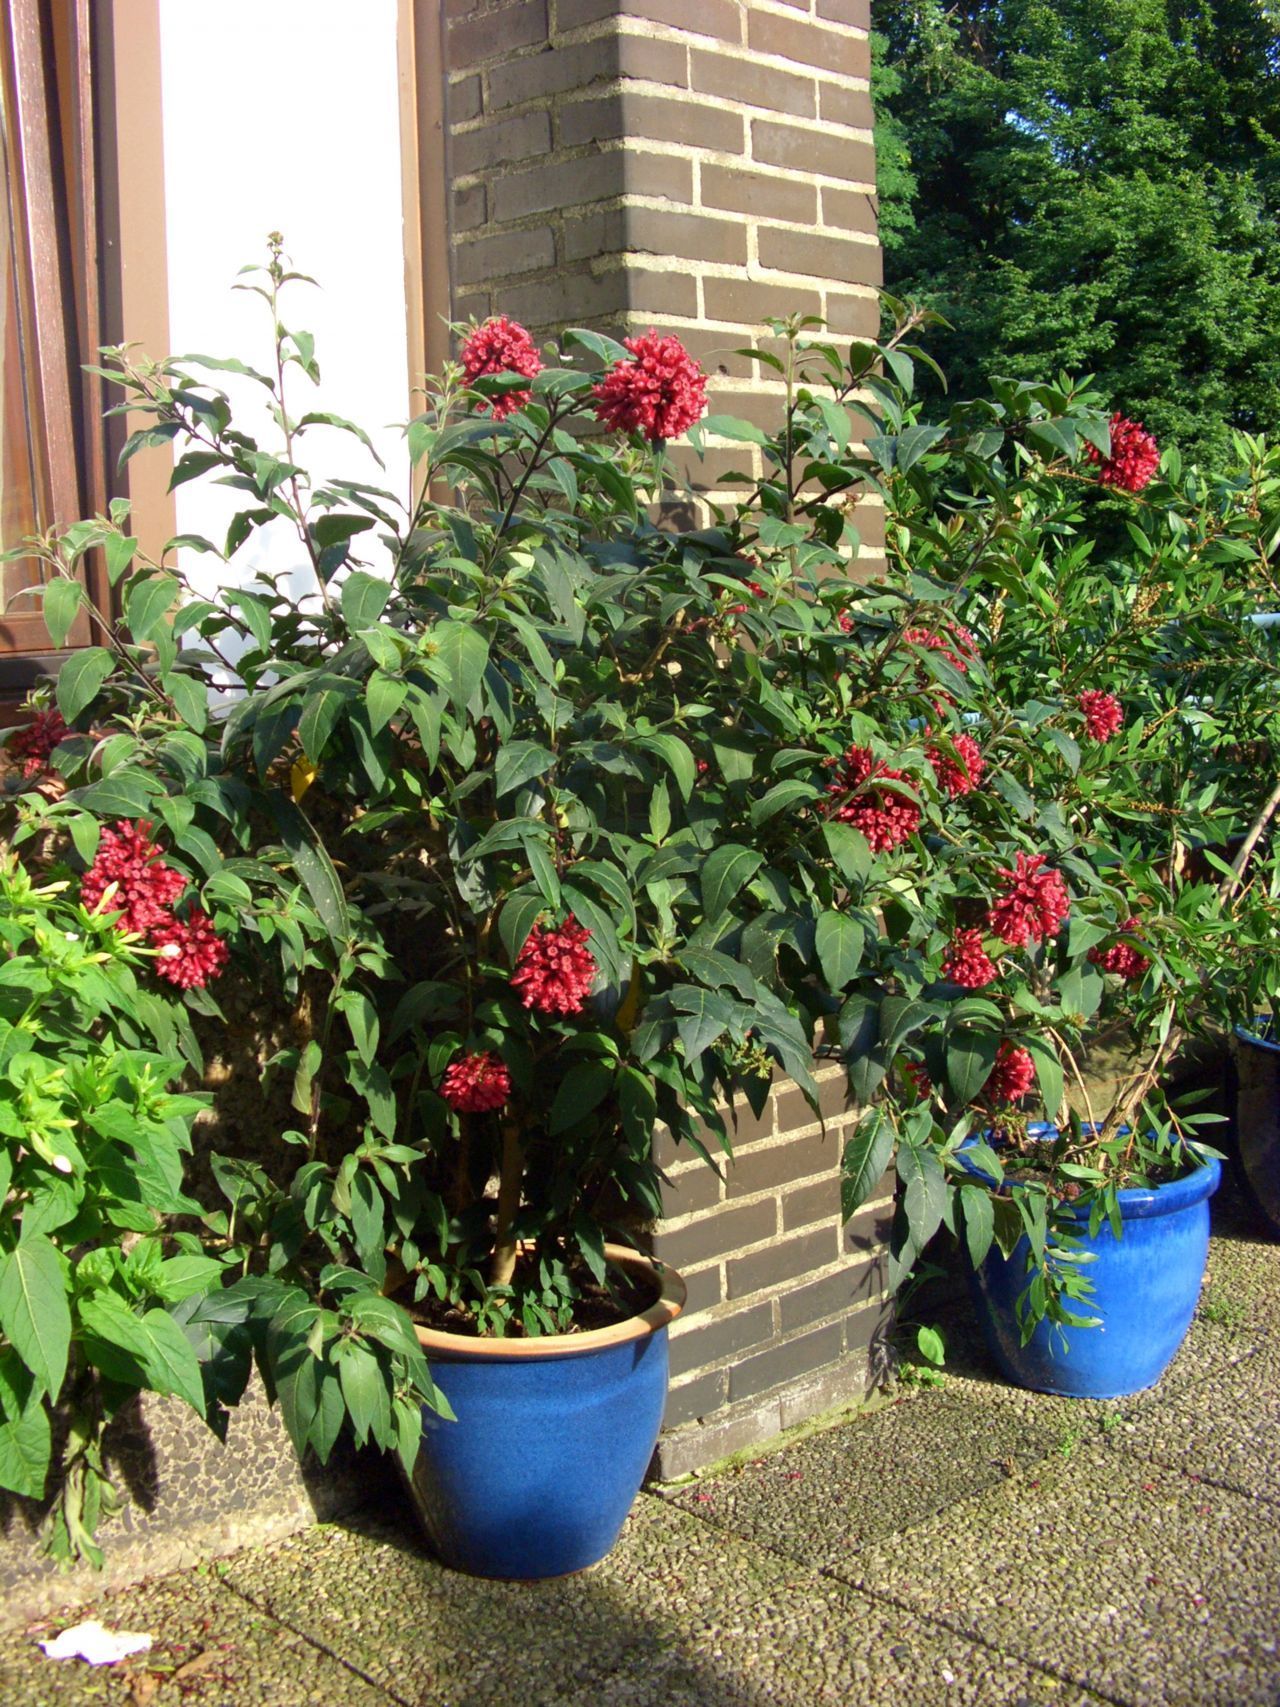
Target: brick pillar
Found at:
x=787, y=1312
x=690, y=165
x=696, y=166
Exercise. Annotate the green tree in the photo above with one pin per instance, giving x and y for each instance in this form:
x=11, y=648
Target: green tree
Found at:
x=1097, y=188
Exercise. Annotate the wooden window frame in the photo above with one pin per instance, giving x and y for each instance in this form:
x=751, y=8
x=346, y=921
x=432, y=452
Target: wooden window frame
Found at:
x=47, y=62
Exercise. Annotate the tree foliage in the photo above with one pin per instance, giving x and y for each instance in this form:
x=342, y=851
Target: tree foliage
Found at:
x=1096, y=188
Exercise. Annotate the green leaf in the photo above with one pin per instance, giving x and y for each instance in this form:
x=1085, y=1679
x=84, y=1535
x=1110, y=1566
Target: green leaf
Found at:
x=866, y=1156
x=313, y=866
x=971, y=1054
x=676, y=755
x=124, y=795
x=34, y=1315
x=62, y=600
x=80, y=678
x=191, y=697
x=383, y=698
x=364, y=1390
x=170, y=1361
x=850, y=851
x=146, y=604
x=979, y=1222
x=463, y=651
x=780, y=798
x=583, y=1088
x=26, y=1444
x=726, y=870
x=364, y=598
x=519, y=762
x=328, y=698
x=839, y=942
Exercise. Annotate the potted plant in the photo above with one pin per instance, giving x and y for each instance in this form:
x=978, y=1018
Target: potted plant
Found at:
x=1113, y=662
x=532, y=825
x=492, y=819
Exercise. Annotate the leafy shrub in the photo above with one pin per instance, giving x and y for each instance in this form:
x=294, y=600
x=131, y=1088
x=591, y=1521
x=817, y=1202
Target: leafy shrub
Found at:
x=548, y=825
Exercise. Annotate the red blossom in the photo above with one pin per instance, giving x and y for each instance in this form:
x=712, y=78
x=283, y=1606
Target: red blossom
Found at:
x=1122, y=958
x=845, y=621
x=145, y=889
x=34, y=743
x=917, y=1076
x=501, y=346
x=660, y=392
x=1033, y=903
x=884, y=816
x=961, y=774
x=191, y=953
x=756, y=591
x=1134, y=457
x=1011, y=1077
x=1103, y=713
x=955, y=643
x=554, y=970
x=966, y=962
x=476, y=1083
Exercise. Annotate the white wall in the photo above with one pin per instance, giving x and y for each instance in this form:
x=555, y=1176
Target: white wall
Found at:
x=283, y=115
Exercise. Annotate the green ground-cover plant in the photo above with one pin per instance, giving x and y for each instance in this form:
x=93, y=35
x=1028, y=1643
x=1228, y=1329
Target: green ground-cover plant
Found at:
x=546, y=825
x=94, y=1285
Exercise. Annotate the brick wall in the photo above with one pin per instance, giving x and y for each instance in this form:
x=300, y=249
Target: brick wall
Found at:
x=691, y=165
x=697, y=166
x=787, y=1312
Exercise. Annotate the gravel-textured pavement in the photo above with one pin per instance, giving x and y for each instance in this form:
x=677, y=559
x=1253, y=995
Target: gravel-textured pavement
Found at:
x=964, y=1544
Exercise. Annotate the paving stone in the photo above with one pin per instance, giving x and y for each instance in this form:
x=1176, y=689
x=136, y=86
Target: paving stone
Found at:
x=1223, y=1430
x=842, y=1488
x=1155, y=1589
x=254, y=1660
x=677, y=1616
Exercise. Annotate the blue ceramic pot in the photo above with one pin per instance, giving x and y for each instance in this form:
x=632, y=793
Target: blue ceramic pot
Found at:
x=1145, y=1288
x=552, y=1439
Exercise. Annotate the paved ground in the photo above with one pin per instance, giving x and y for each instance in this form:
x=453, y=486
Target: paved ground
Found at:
x=964, y=1544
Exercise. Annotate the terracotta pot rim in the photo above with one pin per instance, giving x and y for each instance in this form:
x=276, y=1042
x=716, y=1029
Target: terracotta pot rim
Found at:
x=664, y=1310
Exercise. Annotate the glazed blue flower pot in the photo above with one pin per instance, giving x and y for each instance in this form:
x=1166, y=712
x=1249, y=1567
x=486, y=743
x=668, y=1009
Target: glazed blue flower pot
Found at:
x=551, y=1443
x=1145, y=1288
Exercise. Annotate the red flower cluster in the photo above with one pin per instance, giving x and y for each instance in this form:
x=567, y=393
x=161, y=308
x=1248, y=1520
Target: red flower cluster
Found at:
x=1122, y=958
x=959, y=775
x=476, y=1083
x=501, y=346
x=1012, y=1076
x=660, y=392
x=1103, y=713
x=845, y=621
x=956, y=644
x=554, y=971
x=190, y=951
x=1134, y=455
x=885, y=817
x=145, y=887
x=966, y=962
x=34, y=743
x=128, y=876
x=1033, y=904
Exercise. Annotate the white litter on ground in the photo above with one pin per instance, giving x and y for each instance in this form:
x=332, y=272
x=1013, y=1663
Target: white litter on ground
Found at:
x=94, y=1642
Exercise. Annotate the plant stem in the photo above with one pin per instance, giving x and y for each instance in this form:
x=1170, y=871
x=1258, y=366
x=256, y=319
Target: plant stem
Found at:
x=510, y=1180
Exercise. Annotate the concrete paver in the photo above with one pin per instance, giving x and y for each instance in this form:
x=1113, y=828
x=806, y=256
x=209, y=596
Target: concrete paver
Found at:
x=667, y=1619
x=1146, y=1584
x=211, y=1649
x=971, y=1544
